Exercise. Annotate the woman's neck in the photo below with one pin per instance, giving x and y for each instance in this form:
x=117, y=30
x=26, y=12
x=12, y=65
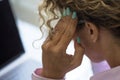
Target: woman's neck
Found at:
x=113, y=55
x=110, y=48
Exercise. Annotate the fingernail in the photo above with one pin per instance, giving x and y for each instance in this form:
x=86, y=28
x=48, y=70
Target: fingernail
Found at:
x=68, y=11
x=78, y=39
x=64, y=12
x=74, y=15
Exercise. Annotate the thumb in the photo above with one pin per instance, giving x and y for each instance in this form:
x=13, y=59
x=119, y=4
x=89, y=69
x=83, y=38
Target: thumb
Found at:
x=78, y=55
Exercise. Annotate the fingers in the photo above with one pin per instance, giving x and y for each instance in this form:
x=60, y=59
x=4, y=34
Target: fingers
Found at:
x=60, y=29
x=68, y=34
x=78, y=56
x=57, y=32
x=64, y=31
x=62, y=25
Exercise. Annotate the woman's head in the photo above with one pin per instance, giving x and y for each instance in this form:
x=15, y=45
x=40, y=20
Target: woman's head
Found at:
x=97, y=20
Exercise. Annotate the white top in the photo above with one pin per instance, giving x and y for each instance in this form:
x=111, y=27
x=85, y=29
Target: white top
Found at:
x=112, y=74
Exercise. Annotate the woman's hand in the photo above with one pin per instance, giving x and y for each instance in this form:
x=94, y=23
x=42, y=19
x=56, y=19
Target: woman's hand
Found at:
x=56, y=63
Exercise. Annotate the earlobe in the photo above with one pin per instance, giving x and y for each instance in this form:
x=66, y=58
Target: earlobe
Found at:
x=92, y=31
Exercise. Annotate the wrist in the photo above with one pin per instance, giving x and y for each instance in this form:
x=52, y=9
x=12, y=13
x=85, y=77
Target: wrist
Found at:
x=52, y=75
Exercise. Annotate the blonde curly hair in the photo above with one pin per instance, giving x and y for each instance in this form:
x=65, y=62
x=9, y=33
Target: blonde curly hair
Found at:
x=103, y=13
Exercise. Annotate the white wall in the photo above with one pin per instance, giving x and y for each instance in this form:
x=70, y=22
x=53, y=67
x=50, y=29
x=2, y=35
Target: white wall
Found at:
x=26, y=10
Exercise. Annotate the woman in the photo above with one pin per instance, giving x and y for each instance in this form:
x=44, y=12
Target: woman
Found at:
x=94, y=25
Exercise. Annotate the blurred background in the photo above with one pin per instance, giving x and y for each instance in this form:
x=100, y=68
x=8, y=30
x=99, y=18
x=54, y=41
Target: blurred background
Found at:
x=26, y=10
x=27, y=21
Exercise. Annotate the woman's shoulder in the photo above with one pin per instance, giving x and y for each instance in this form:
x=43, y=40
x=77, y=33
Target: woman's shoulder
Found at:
x=112, y=74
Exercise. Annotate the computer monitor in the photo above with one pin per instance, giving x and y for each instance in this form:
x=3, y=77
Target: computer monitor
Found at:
x=10, y=43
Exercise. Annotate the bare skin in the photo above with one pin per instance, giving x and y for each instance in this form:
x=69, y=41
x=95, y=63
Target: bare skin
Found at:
x=111, y=49
x=98, y=45
x=56, y=63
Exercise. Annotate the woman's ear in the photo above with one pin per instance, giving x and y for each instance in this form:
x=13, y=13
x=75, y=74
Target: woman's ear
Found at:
x=92, y=31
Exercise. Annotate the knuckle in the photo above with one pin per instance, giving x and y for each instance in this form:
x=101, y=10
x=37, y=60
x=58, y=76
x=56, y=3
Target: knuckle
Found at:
x=43, y=47
x=60, y=48
x=57, y=50
x=49, y=48
x=53, y=50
